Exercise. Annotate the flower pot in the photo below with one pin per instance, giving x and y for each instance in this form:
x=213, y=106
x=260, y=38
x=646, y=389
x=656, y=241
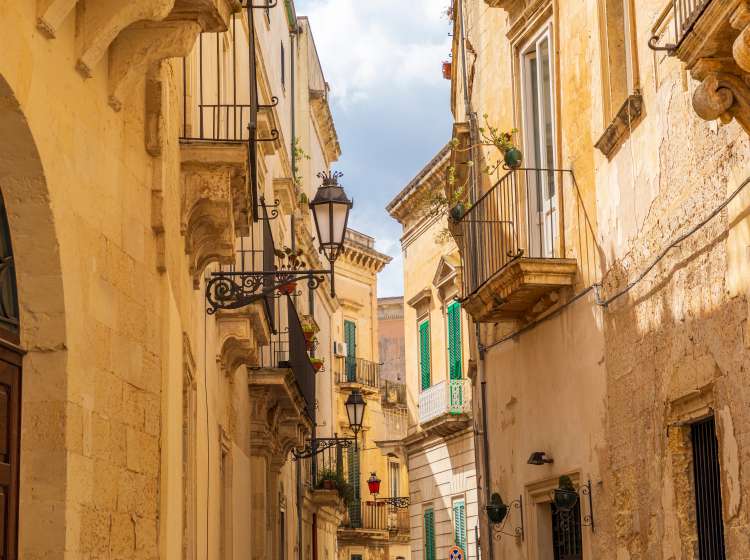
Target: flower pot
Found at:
x=317, y=365
x=513, y=158
x=309, y=335
x=458, y=211
x=565, y=499
x=288, y=289
x=447, y=67
x=329, y=484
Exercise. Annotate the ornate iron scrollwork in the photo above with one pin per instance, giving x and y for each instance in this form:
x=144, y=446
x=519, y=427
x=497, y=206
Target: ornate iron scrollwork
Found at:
x=565, y=515
x=498, y=530
x=396, y=501
x=232, y=290
x=318, y=445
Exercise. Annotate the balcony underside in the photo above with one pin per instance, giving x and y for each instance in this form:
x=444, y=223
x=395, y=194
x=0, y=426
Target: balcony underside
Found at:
x=523, y=287
x=446, y=424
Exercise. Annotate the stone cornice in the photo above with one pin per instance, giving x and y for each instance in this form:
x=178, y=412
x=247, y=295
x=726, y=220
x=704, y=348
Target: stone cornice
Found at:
x=431, y=176
x=323, y=120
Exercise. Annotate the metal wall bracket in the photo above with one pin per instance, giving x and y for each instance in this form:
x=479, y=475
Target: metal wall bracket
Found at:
x=499, y=530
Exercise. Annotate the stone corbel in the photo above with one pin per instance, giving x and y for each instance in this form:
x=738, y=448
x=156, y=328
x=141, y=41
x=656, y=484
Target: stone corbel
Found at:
x=142, y=45
x=723, y=93
x=740, y=20
x=207, y=218
x=241, y=332
x=51, y=15
x=101, y=21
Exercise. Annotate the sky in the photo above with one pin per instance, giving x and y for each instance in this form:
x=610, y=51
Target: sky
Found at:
x=390, y=103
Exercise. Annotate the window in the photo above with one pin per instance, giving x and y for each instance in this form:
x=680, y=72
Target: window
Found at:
x=537, y=97
x=282, y=534
x=394, y=475
x=429, y=534
x=225, y=501
x=459, y=524
x=453, y=321
x=283, y=66
x=619, y=71
x=707, y=490
x=350, y=337
x=566, y=533
x=424, y=354
x=8, y=292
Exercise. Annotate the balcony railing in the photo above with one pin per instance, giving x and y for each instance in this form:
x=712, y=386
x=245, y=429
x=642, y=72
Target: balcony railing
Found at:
x=447, y=397
x=377, y=515
x=396, y=423
x=685, y=14
x=358, y=370
x=518, y=218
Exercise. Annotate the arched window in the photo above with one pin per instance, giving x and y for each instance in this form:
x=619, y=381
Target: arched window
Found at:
x=8, y=291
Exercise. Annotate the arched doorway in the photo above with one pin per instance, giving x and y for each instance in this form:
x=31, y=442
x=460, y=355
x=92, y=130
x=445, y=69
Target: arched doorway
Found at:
x=33, y=421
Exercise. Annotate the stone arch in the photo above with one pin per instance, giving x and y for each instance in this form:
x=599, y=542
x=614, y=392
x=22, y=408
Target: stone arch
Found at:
x=42, y=334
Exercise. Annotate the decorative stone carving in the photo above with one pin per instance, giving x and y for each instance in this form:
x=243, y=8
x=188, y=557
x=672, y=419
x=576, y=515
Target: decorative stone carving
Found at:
x=207, y=218
x=142, y=45
x=619, y=127
x=102, y=20
x=241, y=332
x=723, y=93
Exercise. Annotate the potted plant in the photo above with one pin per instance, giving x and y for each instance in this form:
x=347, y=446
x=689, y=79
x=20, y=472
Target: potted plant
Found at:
x=504, y=142
x=311, y=343
x=289, y=261
x=317, y=363
x=565, y=494
x=447, y=69
x=308, y=330
x=327, y=479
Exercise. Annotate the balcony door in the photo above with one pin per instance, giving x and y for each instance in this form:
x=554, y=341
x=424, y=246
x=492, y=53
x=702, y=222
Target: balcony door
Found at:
x=537, y=99
x=350, y=337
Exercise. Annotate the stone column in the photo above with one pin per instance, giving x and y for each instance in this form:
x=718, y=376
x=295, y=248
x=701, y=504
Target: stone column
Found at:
x=273, y=505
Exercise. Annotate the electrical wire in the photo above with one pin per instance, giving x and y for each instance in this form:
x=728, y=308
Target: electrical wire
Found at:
x=676, y=241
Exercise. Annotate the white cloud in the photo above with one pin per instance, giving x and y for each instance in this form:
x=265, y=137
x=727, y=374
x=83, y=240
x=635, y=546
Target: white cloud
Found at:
x=368, y=46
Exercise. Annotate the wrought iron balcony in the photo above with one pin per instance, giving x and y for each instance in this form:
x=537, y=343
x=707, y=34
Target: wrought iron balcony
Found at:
x=444, y=408
x=684, y=14
x=710, y=37
x=396, y=423
x=511, y=245
x=358, y=371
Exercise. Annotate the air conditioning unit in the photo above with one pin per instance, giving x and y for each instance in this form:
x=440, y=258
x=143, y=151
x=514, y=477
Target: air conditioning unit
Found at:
x=339, y=348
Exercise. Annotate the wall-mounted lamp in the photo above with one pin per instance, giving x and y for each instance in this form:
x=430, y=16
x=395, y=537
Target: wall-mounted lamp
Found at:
x=540, y=458
x=565, y=498
x=497, y=514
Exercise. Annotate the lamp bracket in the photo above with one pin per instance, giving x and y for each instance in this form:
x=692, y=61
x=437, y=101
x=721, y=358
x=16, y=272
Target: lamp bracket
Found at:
x=499, y=530
x=268, y=5
x=318, y=445
x=232, y=290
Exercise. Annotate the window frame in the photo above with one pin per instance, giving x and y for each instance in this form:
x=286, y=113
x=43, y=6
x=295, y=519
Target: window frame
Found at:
x=611, y=108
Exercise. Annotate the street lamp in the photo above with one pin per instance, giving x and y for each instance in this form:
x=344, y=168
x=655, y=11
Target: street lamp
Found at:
x=373, y=484
x=330, y=208
x=355, y=412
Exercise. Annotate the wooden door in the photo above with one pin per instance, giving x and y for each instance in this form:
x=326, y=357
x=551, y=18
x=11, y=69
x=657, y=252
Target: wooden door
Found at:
x=10, y=422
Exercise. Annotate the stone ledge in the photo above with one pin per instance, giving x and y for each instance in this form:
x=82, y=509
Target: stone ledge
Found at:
x=620, y=126
x=516, y=290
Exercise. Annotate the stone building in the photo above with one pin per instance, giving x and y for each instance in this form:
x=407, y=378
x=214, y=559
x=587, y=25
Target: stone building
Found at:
x=608, y=274
x=373, y=528
x=154, y=152
x=439, y=443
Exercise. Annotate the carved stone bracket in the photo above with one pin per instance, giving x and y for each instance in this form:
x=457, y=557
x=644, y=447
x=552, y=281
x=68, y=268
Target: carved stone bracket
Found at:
x=723, y=93
x=241, y=333
x=51, y=14
x=102, y=20
x=142, y=45
x=207, y=218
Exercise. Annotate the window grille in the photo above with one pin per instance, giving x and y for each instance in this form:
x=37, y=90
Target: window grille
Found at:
x=566, y=533
x=707, y=482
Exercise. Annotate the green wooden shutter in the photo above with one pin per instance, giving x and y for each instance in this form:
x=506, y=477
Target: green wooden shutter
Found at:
x=355, y=507
x=429, y=535
x=459, y=524
x=350, y=337
x=454, y=340
x=424, y=354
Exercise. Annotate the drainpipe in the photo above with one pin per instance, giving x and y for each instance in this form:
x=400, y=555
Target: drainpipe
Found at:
x=485, y=440
x=300, y=498
x=467, y=103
